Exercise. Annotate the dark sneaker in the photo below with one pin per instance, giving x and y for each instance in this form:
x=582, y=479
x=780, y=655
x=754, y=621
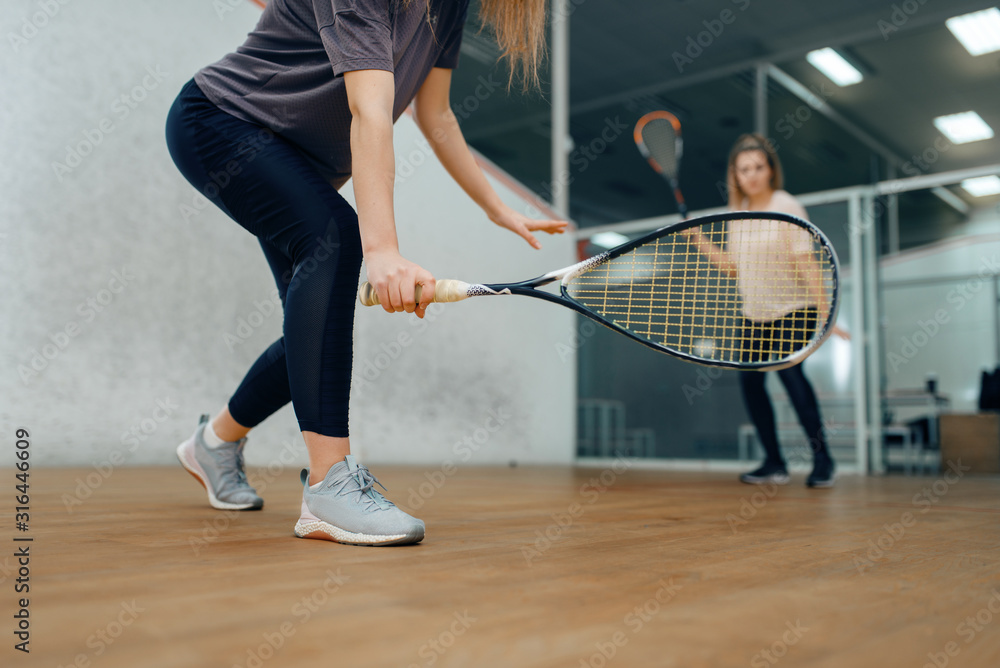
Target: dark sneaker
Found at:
x=768, y=472
x=822, y=474
x=219, y=470
x=346, y=508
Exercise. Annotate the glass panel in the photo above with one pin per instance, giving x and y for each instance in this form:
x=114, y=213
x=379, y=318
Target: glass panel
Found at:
x=633, y=399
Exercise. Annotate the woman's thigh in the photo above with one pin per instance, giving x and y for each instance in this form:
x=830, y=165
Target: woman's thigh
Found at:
x=257, y=178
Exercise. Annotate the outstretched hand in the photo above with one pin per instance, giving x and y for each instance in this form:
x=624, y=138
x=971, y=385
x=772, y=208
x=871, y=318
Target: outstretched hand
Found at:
x=523, y=226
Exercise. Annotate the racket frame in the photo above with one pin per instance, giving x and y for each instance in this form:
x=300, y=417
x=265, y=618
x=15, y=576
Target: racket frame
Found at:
x=672, y=178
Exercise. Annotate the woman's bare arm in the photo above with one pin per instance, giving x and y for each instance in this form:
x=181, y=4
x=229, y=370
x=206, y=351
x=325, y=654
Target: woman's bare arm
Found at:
x=438, y=124
x=370, y=95
x=722, y=260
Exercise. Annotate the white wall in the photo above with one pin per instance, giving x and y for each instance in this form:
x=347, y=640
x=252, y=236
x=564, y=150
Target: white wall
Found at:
x=984, y=219
x=940, y=316
x=473, y=359
x=158, y=338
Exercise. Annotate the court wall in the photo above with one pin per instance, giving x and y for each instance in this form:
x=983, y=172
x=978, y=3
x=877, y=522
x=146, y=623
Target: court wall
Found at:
x=128, y=309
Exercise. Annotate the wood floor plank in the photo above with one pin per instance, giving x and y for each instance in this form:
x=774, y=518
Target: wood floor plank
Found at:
x=521, y=567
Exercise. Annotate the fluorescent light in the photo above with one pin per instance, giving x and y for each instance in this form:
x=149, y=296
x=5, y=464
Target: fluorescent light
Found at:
x=979, y=32
x=608, y=239
x=963, y=128
x=982, y=186
x=833, y=65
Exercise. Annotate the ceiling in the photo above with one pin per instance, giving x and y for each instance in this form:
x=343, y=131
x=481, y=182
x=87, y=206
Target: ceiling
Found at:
x=624, y=62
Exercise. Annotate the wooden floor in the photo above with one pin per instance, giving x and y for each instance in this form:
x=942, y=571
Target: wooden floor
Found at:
x=520, y=567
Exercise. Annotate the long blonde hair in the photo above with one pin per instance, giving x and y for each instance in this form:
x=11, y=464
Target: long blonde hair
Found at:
x=519, y=28
x=752, y=142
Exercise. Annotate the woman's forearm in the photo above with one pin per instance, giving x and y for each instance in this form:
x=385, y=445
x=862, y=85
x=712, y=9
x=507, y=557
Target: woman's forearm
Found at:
x=718, y=257
x=370, y=95
x=439, y=125
x=446, y=139
x=374, y=172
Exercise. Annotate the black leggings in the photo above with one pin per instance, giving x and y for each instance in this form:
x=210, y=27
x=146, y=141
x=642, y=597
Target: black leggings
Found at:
x=803, y=399
x=760, y=341
x=781, y=336
x=310, y=238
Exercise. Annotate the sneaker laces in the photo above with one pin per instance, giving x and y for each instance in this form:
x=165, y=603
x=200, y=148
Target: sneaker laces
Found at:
x=241, y=476
x=366, y=483
x=240, y=473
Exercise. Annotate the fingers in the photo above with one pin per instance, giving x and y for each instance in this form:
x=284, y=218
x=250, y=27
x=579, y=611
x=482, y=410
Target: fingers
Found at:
x=382, y=290
x=392, y=292
x=396, y=296
x=548, y=226
x=523, y=226
x=398, y=292
x=407, y=291
x=522, y=231
x=408, y=281
x=427, y=286
x=416, y=276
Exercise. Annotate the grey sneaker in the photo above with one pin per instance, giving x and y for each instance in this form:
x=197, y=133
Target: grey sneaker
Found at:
x=219, y=470
x=348, y=509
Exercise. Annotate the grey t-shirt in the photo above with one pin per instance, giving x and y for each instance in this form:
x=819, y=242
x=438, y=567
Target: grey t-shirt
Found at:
x=287, y=76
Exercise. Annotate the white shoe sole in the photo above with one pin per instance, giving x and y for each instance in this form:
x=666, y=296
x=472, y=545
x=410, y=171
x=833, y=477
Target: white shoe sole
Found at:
x=826, y=484
x=772, y=479
x=185, y=454
x=310, y=526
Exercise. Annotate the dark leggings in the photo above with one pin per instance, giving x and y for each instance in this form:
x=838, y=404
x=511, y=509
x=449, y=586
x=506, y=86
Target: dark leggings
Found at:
x=803, y=399
x=782, y=336
x=309, y=235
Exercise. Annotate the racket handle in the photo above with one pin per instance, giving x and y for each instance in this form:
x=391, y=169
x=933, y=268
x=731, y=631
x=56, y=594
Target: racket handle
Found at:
x=445, y=290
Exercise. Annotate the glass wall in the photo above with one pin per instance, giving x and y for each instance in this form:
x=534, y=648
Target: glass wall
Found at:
x=649, y=404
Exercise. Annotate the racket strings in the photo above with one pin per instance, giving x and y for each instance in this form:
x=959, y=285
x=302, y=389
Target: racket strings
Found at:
x=747, y=291
x=660, y=139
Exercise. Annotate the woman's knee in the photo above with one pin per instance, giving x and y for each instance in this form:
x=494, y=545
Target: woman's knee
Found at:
x=752, y=380
x=793, y=378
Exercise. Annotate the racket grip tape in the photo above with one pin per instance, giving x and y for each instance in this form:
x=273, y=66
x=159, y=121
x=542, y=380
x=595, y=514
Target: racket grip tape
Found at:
x=445, y=290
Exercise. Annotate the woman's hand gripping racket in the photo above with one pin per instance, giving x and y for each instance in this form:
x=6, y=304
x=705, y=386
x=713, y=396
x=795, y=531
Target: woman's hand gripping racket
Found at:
x=658, y=136
x=666, y=292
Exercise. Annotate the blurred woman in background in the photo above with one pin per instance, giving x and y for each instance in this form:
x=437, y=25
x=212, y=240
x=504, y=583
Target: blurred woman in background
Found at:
x=755, y=182
x=782, y=300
